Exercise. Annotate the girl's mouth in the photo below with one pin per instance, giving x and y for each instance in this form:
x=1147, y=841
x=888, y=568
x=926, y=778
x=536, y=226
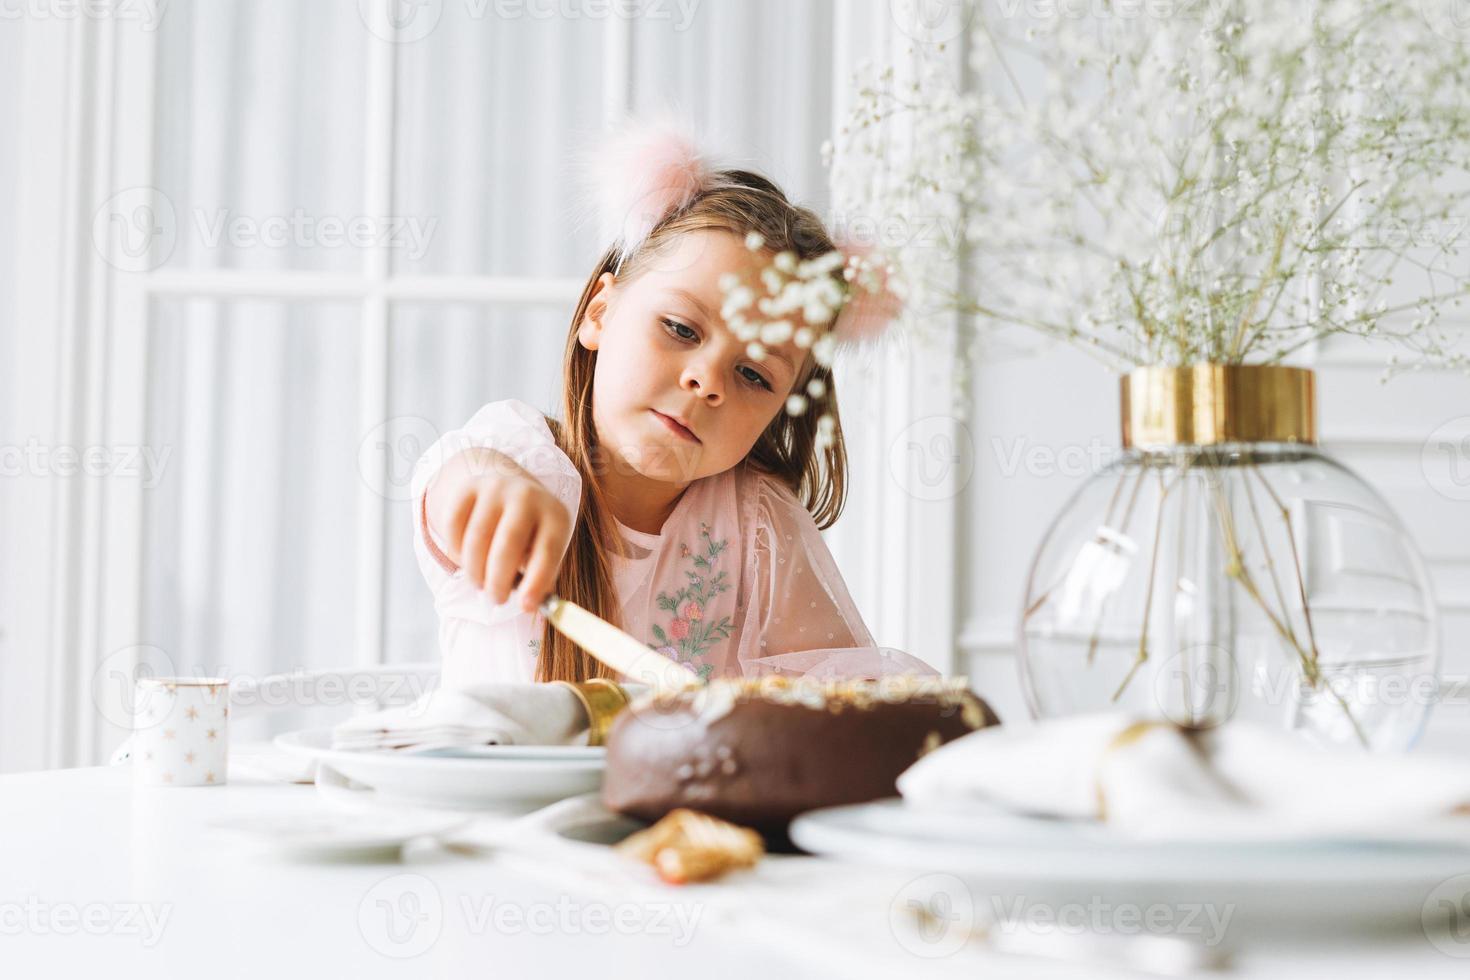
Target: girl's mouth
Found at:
x=675, y=427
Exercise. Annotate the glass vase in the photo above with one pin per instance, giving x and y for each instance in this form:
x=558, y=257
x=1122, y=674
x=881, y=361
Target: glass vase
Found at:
x=1225, y=567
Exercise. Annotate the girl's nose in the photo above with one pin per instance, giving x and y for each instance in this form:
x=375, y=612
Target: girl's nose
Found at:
x=700, y=379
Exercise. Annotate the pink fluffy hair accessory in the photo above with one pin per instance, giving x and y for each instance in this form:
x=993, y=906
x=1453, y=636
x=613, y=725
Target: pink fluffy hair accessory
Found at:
x=872, y=304
x=643, y=173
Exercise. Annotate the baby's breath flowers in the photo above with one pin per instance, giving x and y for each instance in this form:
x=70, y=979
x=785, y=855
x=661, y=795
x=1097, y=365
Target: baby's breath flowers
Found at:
x=1175, y=182
x=795, y=300
x=1165, y=183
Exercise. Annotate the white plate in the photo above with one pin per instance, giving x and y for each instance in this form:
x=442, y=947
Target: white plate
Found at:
x=492, y=777
x=1062, y=861
x=333, y=833
x=557, y=753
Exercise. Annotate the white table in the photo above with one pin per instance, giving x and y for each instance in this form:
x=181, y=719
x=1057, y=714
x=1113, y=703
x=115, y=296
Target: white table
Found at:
x=85, y=860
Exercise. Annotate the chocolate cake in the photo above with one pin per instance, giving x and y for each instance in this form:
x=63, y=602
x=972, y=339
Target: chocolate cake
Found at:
x=759, y=751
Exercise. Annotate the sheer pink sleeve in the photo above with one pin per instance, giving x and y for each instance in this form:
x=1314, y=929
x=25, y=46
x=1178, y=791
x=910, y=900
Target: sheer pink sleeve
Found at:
x=520, y=432
x=799, y=618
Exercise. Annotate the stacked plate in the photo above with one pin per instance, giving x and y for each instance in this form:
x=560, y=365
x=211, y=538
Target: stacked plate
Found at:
x=488, y=777
x=999, y=853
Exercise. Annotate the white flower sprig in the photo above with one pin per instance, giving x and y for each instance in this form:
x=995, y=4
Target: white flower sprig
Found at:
x=765, y=314
x=1170, y=183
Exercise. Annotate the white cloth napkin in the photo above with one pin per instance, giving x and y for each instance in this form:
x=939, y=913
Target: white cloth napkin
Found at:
x=1154, y=780
x=483, y=714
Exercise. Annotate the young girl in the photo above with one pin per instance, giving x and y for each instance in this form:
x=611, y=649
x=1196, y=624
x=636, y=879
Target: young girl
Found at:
x=677, y=498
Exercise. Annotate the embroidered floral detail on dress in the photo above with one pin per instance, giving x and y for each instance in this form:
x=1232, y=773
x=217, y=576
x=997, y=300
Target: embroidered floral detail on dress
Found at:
x=690, y=635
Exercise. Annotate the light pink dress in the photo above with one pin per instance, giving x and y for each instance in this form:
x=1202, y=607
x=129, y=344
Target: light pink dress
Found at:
x=738, y=583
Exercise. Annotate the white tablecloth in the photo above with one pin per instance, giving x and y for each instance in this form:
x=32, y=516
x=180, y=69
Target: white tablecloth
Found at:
x=100, y=880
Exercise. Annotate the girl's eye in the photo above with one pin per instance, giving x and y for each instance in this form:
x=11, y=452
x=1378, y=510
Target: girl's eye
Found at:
x=755, y=378
x=674, y=326
x=677, y=329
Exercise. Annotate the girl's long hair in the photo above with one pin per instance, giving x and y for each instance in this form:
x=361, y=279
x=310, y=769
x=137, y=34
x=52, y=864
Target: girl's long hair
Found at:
x=739, y=202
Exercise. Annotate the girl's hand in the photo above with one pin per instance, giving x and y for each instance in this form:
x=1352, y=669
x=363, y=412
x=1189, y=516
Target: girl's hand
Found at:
x=496, y=520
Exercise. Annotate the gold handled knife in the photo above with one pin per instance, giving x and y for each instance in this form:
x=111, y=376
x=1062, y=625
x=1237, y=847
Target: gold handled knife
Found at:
x=636, y=661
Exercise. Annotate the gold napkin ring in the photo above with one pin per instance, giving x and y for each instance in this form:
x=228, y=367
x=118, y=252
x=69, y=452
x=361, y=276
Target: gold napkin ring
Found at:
x=1129, y=735
x=603, y=699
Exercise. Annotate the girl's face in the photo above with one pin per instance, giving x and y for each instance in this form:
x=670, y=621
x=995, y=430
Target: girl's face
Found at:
x=665, y=356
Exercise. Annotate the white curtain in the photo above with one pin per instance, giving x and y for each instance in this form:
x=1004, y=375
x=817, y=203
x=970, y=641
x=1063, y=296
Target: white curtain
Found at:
x=12, y=674
x=249, y=542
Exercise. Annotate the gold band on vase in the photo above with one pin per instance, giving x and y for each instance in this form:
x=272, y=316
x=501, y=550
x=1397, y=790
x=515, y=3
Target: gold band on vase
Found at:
x=603, y=699
x=1209, y=404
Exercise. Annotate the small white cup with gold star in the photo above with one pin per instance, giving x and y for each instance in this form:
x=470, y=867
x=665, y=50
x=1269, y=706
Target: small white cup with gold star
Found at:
x=180, y=731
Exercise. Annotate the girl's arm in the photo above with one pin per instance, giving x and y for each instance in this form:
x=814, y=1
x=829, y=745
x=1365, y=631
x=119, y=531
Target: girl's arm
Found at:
x=501, y=472
x=496, y=519
x=444, y=493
